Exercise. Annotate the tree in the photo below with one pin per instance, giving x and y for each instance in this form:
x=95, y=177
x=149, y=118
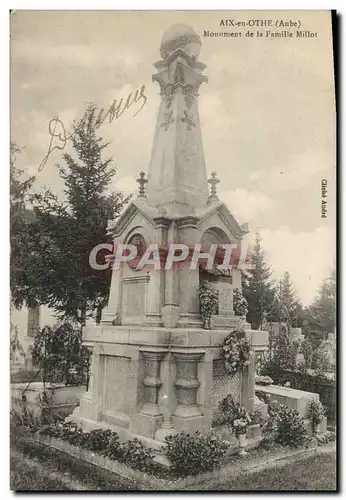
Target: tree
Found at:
x=63, y=234
x=59, y=352
x=20, y=218
x=321, y=315
x=286, y=306
x=257, y=287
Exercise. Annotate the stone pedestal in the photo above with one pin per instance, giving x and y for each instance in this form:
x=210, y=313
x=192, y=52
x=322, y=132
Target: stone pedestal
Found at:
x=152, y=382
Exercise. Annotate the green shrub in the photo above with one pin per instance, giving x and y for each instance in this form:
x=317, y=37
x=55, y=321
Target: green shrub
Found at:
x=104, y=442
x=256, y=417
x=58, y=350
x=327, y=437
x=26, y=418
x=316, y=414
x=96, y=440
x=234, y=415
x=193, y=453
x=285, y=427
x=136, y=455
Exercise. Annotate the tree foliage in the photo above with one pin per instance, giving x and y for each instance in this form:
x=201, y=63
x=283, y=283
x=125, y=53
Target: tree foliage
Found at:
x=257, y=287
x=287, y=308
x=63, y=233
x=20, y=218
x=321, y=315
x=59, y=352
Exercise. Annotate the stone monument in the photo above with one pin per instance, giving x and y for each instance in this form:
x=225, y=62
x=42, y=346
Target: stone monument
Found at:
x=155, y=370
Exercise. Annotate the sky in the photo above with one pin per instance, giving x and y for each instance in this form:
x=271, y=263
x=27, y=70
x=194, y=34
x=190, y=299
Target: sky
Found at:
x=267, y=115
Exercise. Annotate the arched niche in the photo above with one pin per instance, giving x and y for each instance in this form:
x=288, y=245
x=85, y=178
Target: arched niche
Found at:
x=214, y=235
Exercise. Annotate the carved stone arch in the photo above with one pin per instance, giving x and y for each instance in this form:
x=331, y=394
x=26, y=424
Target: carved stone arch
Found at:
x=141, y=230
x=214, y=235
x=137, y=236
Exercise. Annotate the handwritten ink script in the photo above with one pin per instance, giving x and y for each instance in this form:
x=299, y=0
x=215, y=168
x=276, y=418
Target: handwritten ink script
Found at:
x=57, y=130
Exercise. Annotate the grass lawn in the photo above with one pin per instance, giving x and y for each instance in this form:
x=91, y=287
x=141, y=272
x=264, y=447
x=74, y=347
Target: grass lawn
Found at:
x=36, y=468
x=317, y=473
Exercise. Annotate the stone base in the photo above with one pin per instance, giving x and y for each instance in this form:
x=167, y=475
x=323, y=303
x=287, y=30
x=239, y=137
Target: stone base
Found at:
x=153, y=320
x=124, y=434
x=140, y=373
x=188, y=424
x=146, y=425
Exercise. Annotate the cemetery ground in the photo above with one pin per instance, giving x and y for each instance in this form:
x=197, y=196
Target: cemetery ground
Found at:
x=35, y=467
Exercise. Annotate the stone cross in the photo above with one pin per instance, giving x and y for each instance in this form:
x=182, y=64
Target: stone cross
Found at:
x=213, y=181
x=142, y=182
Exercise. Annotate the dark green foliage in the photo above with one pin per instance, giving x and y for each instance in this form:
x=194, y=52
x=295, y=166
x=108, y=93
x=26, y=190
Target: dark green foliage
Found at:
x=285, y=427
x=104, y=442
x=24, y=418
x=97, y=439
x=321, y=317
x=316, y=414
x=58, y=350
x=136, y=455
x=228, y=411
x=327, y=437
x=282, y=357
x=286, y=306
x=291, y=430
x=61, y=235
x=193, y=453
x=234, y=415
x=258, y=288
x=20, y=219
x=257, y=418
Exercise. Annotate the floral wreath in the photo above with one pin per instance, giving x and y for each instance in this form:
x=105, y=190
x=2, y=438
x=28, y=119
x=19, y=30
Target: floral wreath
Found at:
x=236, y=351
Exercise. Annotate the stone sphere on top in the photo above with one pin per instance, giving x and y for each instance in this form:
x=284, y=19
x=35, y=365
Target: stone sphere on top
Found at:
x=180, y=36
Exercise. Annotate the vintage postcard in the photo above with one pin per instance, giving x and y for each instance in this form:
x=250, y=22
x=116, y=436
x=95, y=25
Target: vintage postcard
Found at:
x=173, y=250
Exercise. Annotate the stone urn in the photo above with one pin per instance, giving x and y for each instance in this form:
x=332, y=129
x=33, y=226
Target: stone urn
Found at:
x=242, y=440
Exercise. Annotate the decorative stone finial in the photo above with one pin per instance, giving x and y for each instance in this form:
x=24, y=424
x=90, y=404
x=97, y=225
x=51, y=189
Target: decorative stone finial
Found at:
x=213, y=181
x=180, y=36
x=142, y=182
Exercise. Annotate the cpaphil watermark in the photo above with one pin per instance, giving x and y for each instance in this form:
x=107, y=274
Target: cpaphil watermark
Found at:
x=220, y=257
x=324, y=184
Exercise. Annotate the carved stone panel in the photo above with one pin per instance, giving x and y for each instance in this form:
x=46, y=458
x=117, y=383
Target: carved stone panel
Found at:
x=117, y=376
x=133, y=299
x=224, y=384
